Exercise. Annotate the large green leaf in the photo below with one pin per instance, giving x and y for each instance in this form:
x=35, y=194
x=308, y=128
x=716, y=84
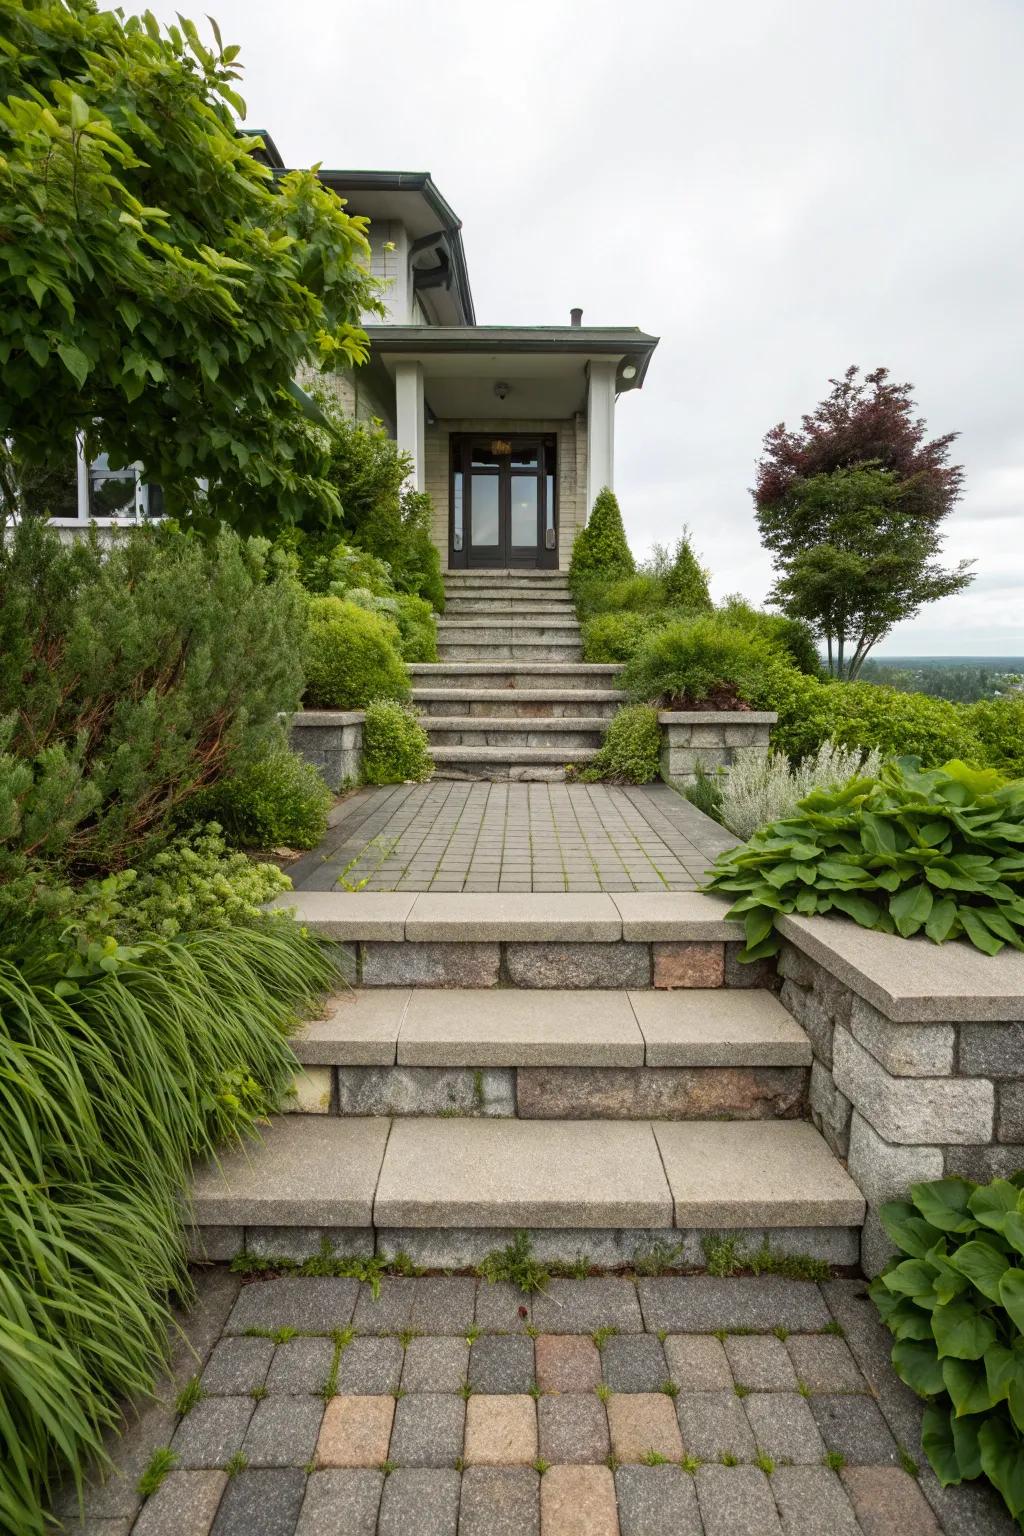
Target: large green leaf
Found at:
x=914, y=1278
x=965, y=1439
x=1011, y=1294
x=908, y=1229
x=980, y=936
x=945, y=1203
x=941, y=920
x=939, y=1444
x=983, y=1265
x=1002, y=1461
x=911, y=908
x=967, y=1384
x=906, y=1320
x=918, y=1364
x=962, y=1331
x=1013, y=1231
x=992, y=1203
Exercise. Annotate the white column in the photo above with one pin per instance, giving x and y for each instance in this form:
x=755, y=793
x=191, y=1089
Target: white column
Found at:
x=410, y=417
x=600, y=427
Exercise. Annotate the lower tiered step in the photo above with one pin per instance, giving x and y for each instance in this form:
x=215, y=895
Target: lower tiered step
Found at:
x=566, y=734
x=514, y=763
x=445, y=1191
x=514, y=675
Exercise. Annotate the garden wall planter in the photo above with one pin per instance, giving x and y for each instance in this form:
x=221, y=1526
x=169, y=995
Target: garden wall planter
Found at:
x=709, y=739
x=918, y=1065
x=332, y=740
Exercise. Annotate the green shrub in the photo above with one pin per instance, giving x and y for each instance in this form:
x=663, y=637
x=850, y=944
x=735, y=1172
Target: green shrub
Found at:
x=954, y=1301
x=642, y=593
x=410, y=621
x=130, y=681
x=278, y=801
x=698, y=663
x=119, y=1067
x=686, y=584
x=936, y=851
x=618, y=636
x=792, y=638
x=999, y=726
x=350, y=657
x=865, y=716
x=600, y=548
x=630, y=751
x=394, y=745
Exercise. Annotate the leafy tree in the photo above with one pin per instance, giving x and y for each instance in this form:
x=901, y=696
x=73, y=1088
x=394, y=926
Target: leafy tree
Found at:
x=158, y=286
x=600, y=547
x=686, y=581
x=851, y=508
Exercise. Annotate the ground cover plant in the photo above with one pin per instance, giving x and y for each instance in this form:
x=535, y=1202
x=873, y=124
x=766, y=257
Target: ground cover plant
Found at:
x=762, y=788
x=954, y=1300
x=938, y=852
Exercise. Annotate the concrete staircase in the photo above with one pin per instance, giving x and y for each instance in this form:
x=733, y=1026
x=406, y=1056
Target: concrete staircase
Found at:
x=510, y=698
x=597, y=1070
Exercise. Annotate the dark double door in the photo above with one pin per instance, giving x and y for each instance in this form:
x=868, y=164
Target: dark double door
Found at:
x=503, y=502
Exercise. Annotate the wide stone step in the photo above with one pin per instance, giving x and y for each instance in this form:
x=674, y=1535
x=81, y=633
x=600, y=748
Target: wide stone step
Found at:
x=629, y=939
x=522, y=649
x=482, y=625
x=526, y=673
x=565, y=1055
x=505, y=632
x=525, y=606
x=515, y=577
x=515, y=703
x=454, y=1182
x=566, y=735
x=513, y=763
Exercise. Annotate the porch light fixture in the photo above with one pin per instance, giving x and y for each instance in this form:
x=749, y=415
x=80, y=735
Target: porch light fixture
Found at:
x=501, y=389
x=629, y=372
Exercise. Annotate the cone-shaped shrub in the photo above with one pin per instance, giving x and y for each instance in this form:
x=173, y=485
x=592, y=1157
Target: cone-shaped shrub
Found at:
x=600, y=549
x=686, y=585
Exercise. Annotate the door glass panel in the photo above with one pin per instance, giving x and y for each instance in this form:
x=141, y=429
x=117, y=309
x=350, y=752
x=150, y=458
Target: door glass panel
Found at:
x=524, y=511
x=484, y=504
x=525, y=458
x=457, y=511
x=483, y=458
x=549, y=514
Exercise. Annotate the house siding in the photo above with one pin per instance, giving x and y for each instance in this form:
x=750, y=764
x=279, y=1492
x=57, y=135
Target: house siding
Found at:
x=351, y=391
x=571, y=436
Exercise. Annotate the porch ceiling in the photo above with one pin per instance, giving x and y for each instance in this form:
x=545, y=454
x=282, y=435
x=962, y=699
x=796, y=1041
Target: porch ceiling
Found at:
x=545, y=368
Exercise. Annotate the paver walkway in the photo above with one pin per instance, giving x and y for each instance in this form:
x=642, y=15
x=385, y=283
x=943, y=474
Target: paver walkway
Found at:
x=456, y=836
x=666, y=1406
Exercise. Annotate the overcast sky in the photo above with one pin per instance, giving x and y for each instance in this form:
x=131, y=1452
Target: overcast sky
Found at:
x=775, y=189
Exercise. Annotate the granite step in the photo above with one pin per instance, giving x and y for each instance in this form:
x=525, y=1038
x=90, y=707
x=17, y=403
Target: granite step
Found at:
x=569, y=734
x=523, y=605
x=511, y=676
x=447, y=1186
x=515, y=703
x=515, y=576
x=497, y=763
x=579, y=1055
x=524, y=648
x=482, y=624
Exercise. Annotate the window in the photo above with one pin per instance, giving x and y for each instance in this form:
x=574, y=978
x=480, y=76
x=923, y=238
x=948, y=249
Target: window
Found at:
x=106, y=495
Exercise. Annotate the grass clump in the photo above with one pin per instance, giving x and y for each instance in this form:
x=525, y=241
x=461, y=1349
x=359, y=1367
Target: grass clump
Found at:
x=515, y=1264
x=162, y=1461
x=190, y=1394
x=834, y=1460
x=725, y=1255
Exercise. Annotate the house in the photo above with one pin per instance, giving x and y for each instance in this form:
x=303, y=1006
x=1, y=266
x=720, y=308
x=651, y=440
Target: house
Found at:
x=510, y=429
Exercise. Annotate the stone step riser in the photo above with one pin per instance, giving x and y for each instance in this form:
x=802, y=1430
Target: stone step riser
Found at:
x=505, y=634
x=560, y=964
x=516, y=650
x=510, y=679
x=506, y=578
x=559, y=1093
x=565, y=739
x=510, y=708
x=525, y=607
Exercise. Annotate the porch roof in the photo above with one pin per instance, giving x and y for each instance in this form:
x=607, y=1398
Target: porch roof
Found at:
x=544, y=367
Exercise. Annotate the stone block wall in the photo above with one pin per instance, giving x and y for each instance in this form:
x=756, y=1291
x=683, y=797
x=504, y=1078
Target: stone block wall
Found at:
x=709, y=739
x=904, y=1102
x=332, y=740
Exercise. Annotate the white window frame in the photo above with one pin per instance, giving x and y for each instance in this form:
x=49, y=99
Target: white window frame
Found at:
x=84, y=518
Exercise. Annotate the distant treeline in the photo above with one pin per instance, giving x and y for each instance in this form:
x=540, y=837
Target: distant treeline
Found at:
x=962, y=679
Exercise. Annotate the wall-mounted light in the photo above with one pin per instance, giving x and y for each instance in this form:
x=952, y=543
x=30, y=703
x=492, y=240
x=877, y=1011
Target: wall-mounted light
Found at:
x=629, y=372
x=501, y=389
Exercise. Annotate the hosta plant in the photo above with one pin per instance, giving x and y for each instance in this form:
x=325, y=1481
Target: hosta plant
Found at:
x=954, y=1299
x=938, y=852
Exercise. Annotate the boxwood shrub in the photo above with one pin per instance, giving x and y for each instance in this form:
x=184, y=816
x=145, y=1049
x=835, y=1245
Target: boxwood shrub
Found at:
x=350, y=657
x=394, y=745
x=630, y=750
x=618, y=636
x=954, y=1300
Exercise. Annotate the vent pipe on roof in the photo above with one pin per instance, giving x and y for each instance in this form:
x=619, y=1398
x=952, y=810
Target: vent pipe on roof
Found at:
x=575, y=317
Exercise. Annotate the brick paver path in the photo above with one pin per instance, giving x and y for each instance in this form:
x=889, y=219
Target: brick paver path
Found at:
x=456, y=836
x=668, y=1406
